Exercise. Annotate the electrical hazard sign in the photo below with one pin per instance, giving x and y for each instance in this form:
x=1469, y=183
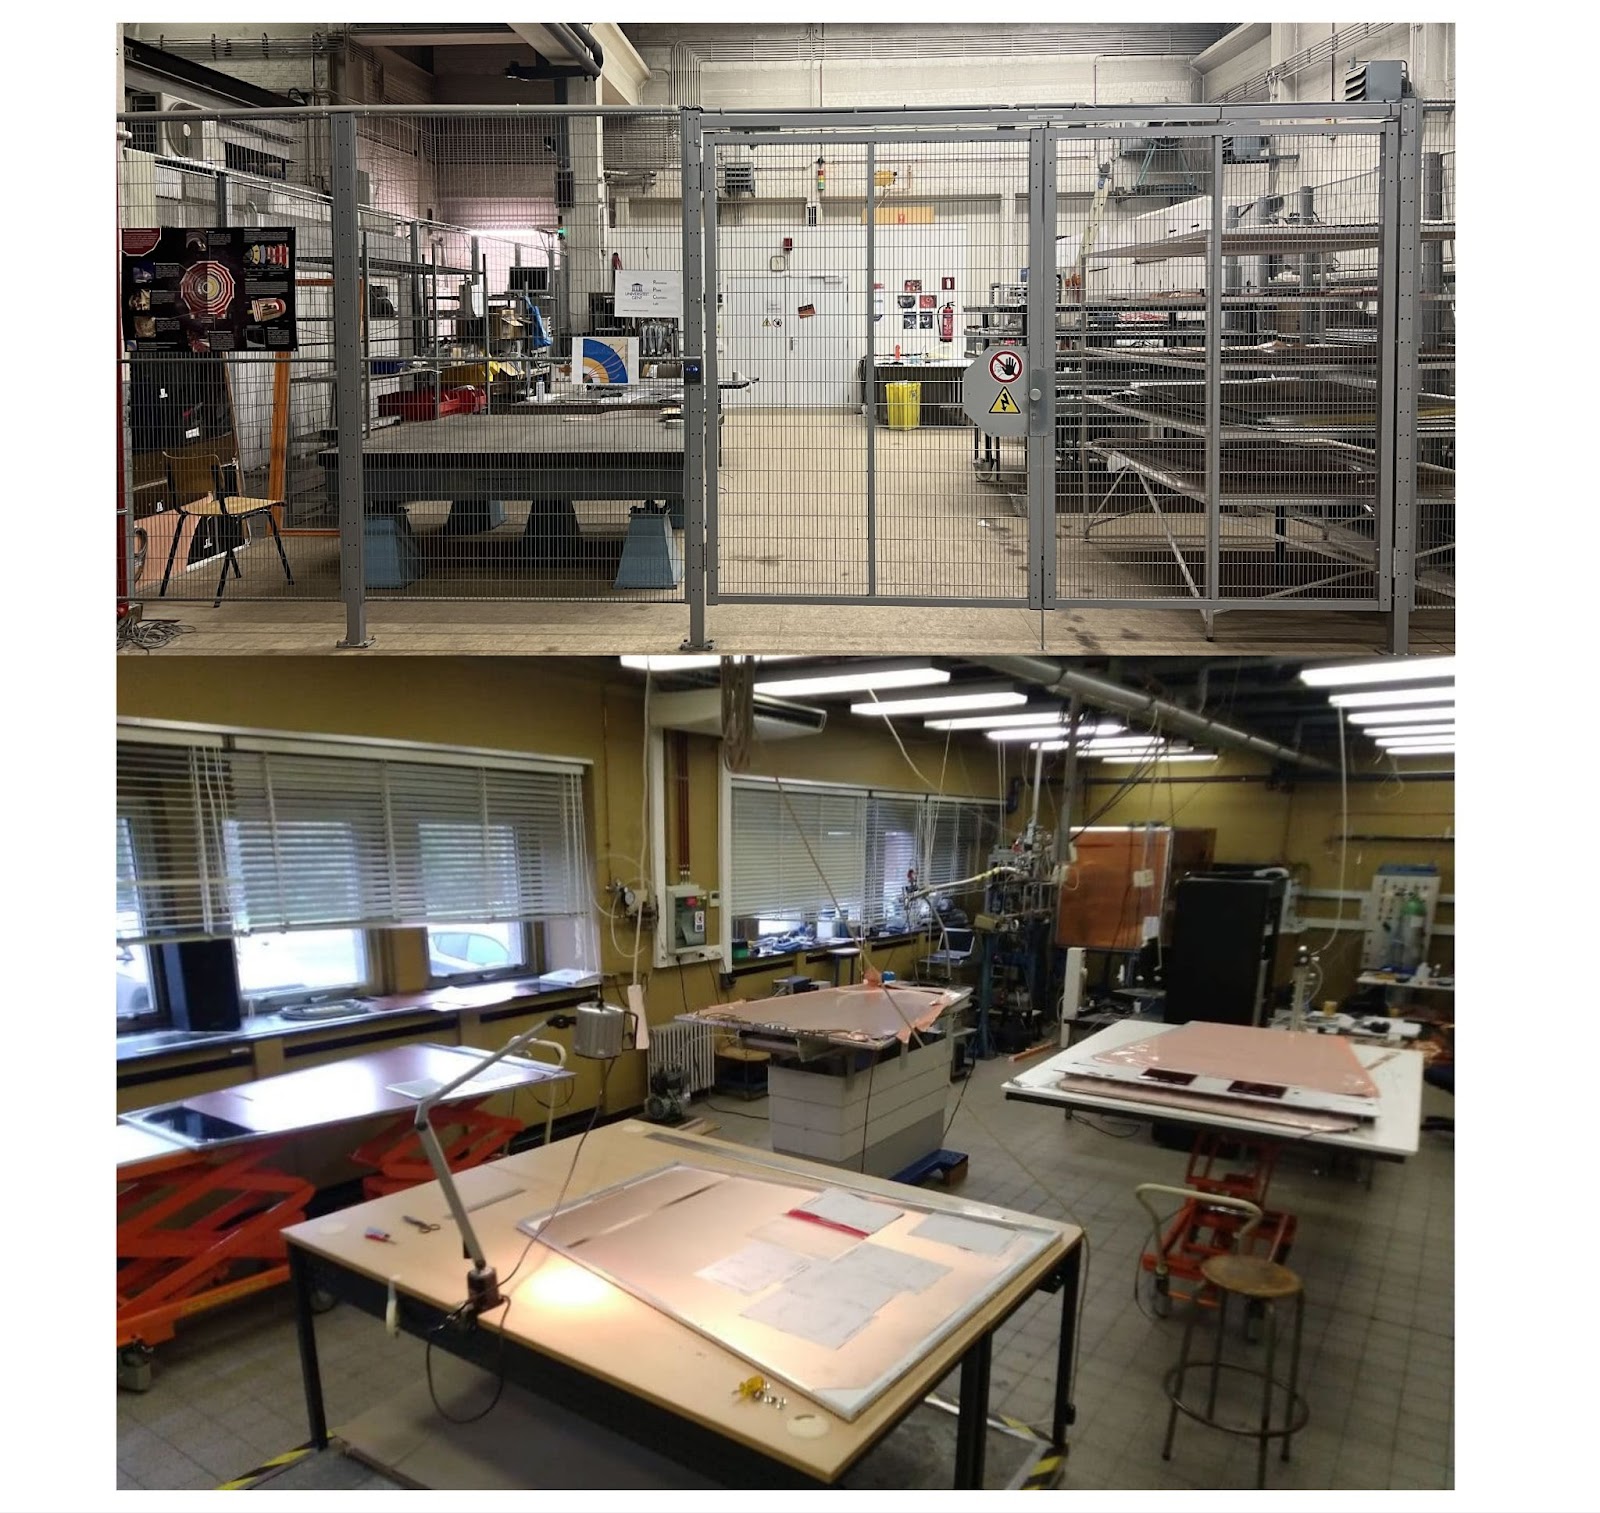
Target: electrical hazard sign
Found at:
x=995, y=393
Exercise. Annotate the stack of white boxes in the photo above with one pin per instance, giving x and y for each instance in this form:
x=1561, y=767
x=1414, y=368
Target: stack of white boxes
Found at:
x=875, y=1118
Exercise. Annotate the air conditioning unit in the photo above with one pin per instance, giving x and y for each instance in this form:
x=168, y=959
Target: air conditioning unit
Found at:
x=699, y=711
x=199, y=140
x=738, y=181
x=1376, y=81
x=263, y=148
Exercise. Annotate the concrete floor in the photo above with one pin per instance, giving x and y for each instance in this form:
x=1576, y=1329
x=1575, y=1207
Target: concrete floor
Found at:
x=1378, y=1266
x=793, y=521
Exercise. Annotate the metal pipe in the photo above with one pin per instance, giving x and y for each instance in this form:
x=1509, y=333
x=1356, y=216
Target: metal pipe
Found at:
x=578, y=37
x=1173, y=717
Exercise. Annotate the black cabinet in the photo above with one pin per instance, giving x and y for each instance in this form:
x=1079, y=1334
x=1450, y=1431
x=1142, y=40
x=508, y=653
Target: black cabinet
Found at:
x=1224, y=949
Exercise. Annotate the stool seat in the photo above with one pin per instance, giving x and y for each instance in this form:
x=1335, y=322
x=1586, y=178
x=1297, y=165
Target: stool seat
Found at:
x=1250, y=1276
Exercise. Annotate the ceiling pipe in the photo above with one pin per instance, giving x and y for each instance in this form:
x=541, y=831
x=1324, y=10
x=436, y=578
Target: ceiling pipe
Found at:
x=586, y=52
x=1171, y=717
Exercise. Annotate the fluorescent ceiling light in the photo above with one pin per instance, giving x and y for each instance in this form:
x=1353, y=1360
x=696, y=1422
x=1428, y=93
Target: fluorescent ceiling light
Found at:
x=1393, y=670
x=1165, y=756
x=1430, y=749
x=1416, y=740
x=670, y=664
x=972, y=698
x=1028, y=733
x=853, y=679
x=1408, y=732
x=1050, y=715
x=1430, y=713
x=1393, y=698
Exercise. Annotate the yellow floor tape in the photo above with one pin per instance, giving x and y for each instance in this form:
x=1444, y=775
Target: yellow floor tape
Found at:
x=277, y=1463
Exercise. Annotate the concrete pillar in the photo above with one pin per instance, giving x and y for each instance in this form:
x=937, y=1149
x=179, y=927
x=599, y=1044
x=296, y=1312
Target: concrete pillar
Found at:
x=589, y=264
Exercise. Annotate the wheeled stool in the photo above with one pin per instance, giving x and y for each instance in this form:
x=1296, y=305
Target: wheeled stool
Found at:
x=1263, y=1284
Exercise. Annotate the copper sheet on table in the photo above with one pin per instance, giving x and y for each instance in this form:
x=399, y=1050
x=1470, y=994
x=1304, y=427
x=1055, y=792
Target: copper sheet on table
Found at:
x=1322, y=1063
x=859, y=1015
x=1268, y=469
x=1305, y=1120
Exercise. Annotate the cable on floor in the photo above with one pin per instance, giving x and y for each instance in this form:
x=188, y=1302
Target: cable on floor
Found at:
x=149, y=635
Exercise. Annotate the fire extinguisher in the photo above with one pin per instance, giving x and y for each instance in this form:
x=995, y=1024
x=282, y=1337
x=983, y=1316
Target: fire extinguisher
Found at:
x=947, y=323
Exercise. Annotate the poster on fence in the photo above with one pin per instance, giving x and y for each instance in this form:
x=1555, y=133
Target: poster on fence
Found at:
x=193, y=289
x=648, y=296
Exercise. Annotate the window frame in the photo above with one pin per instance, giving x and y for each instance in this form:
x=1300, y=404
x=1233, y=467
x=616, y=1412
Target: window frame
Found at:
x=252, y=1006
x=532, y=931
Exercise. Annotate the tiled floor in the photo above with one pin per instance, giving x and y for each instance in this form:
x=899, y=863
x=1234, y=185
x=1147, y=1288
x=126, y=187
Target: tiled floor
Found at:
x=1378, y=1370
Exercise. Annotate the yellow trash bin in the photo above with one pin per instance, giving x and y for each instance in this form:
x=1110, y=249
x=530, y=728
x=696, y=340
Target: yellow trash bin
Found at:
x=905, y=406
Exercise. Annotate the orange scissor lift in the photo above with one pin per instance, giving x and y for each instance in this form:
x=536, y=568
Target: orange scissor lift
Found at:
x=1224, y=1212
x=197, y=1229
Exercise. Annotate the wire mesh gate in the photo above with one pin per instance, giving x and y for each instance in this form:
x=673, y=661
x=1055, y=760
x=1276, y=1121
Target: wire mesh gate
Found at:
x=709, y=357
x=1228, y=371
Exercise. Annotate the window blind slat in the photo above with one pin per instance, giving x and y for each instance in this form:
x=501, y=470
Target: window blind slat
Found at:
x=219, y=842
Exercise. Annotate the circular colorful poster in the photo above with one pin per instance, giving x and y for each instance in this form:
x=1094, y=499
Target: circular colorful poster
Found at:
x=207, y=289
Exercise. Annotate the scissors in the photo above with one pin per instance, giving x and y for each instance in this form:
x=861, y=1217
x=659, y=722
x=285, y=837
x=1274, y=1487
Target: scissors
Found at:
x=426, y=1228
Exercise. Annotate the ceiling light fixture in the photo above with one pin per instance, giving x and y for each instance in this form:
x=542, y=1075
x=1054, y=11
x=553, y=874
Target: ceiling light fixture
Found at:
x=1165, y=756
x=820, y=681
x=967, y=698
x=1393, y=670
x=1424, y=748
x=1049, y=715
x=1407, y=732
x=1393, y=698
x=1429, y=713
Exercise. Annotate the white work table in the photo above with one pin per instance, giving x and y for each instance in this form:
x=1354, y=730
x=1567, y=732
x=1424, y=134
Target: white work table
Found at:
x=1392, y=1136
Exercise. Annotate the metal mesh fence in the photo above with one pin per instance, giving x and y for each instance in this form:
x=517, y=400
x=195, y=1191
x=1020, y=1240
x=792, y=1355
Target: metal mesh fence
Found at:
x=1218, y=437
x=1223, y=351
x=1435, y=550
x=220, y=423
x=850, y=282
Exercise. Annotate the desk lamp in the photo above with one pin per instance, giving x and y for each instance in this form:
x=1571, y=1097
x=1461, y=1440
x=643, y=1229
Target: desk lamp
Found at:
x=599, y=1037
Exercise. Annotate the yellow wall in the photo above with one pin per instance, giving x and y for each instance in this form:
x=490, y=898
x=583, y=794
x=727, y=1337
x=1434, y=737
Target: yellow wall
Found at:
x=1298, y=827
x=586, y=708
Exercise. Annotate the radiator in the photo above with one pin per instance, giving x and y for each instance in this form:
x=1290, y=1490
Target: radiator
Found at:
x=689, y=1048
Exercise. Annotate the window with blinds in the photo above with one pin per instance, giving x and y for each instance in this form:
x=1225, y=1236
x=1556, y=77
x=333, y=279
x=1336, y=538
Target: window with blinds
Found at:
x=233, y=835
x=797, y=853
x=863, y=841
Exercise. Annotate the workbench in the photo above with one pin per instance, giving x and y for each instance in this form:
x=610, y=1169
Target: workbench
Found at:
x=205, y=1184
x=550, y=460
x=859, y=1075
x=1392, y=1136
x=572, y=1337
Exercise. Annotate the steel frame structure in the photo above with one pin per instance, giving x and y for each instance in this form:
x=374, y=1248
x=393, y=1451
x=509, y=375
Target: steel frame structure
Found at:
x=1394, y=127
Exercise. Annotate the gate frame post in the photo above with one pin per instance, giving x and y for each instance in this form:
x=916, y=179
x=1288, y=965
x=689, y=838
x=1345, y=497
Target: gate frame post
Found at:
x=1041, y=334
x=691, y=155
x=348, y=378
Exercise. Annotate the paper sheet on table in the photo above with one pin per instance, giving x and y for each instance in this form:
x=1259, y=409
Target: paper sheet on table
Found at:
x=844, y=1208
x=965, y=1234
x=815, y=1241
x=871, y=1275
x=822, y=1320
x=755, y=1267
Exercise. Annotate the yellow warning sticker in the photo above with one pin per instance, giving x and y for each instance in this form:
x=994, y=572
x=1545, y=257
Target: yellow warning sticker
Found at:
x=1004, y=404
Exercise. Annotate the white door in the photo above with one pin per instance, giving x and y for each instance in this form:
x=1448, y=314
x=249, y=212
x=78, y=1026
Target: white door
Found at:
x=755, y=338
x=820, y=345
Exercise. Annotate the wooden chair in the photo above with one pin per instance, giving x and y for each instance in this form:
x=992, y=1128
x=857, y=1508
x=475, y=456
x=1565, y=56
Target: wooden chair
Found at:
x=199, y=485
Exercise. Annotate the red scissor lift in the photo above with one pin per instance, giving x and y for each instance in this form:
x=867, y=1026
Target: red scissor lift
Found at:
x=1225, y=1166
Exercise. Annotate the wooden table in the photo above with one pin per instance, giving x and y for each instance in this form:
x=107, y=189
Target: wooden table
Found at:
x=571, y=1336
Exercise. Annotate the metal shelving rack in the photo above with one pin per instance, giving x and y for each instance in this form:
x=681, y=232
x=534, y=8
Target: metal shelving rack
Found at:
x=1266, y=398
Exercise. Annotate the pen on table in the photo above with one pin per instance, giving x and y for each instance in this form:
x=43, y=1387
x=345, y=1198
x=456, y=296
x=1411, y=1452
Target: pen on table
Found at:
x=378, y=1234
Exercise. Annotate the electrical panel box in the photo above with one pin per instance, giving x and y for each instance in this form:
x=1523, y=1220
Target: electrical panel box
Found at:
x=689, y=903
x=1385, y=943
